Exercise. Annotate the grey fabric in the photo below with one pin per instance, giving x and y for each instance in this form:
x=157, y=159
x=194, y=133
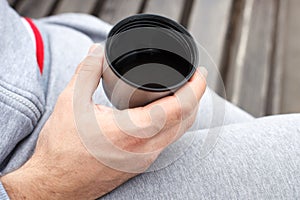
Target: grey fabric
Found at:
x=253, y=158
x=3, y=194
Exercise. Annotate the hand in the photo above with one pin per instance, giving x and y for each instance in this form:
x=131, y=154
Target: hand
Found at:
x=68, y=162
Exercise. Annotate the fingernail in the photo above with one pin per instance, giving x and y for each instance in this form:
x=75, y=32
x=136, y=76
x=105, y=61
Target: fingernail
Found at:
x=203, y=71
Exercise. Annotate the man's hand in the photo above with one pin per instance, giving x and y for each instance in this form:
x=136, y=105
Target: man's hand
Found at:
x=68, y=163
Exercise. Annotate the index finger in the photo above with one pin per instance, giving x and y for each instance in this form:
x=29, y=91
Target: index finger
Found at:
x=183, y=102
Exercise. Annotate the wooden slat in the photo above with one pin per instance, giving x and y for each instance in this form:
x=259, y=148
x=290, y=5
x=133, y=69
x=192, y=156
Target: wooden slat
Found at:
x=275, y=91
x=291, y=69
x=11, y=2
x=208, y=23
x=238, y=46
x=14, y=3
x=169, y=8
x=75, y=6
x=250, y=62
x=115, y=10
x=35, y=8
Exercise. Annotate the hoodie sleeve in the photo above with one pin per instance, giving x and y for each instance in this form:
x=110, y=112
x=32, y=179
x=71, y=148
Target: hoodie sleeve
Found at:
x=3, y=194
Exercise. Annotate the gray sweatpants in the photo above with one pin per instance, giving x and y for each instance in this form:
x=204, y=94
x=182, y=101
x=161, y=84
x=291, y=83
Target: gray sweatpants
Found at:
x=227, y=154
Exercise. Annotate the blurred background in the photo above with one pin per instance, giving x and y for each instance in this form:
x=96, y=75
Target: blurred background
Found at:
x=254, y=43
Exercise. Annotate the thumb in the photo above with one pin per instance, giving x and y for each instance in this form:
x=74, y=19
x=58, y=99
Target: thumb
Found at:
x=88, y=73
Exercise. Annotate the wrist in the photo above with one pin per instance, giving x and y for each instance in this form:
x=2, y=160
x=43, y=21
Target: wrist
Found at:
x=21, y=184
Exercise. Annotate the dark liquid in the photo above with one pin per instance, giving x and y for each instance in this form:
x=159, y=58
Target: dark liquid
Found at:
x=153, y=68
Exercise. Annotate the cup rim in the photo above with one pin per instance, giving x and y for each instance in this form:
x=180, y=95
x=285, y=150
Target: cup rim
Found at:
x=164, y=22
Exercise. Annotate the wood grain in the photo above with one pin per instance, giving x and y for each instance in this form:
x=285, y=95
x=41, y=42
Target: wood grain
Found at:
x=34, y=8
x=11, y=2
x=274, y=99
x=249, y=73
x=75, y=6
x=208, y=23
x=291, y=70
x=169, y=8
x=115, y=10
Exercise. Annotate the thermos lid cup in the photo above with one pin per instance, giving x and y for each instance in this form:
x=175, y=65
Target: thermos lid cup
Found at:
x=147, y=38
x=151, y=54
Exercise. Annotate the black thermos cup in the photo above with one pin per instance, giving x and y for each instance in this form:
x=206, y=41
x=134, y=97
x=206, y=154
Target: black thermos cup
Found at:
x=148, y=57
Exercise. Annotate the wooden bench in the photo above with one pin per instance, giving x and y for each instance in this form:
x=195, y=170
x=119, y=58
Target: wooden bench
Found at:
x=243, y=38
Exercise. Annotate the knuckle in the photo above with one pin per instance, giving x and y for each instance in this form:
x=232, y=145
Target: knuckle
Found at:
x=92, y=59
x=157, y=127
x=188, y=109
x=177, y=114
x=133, y=142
